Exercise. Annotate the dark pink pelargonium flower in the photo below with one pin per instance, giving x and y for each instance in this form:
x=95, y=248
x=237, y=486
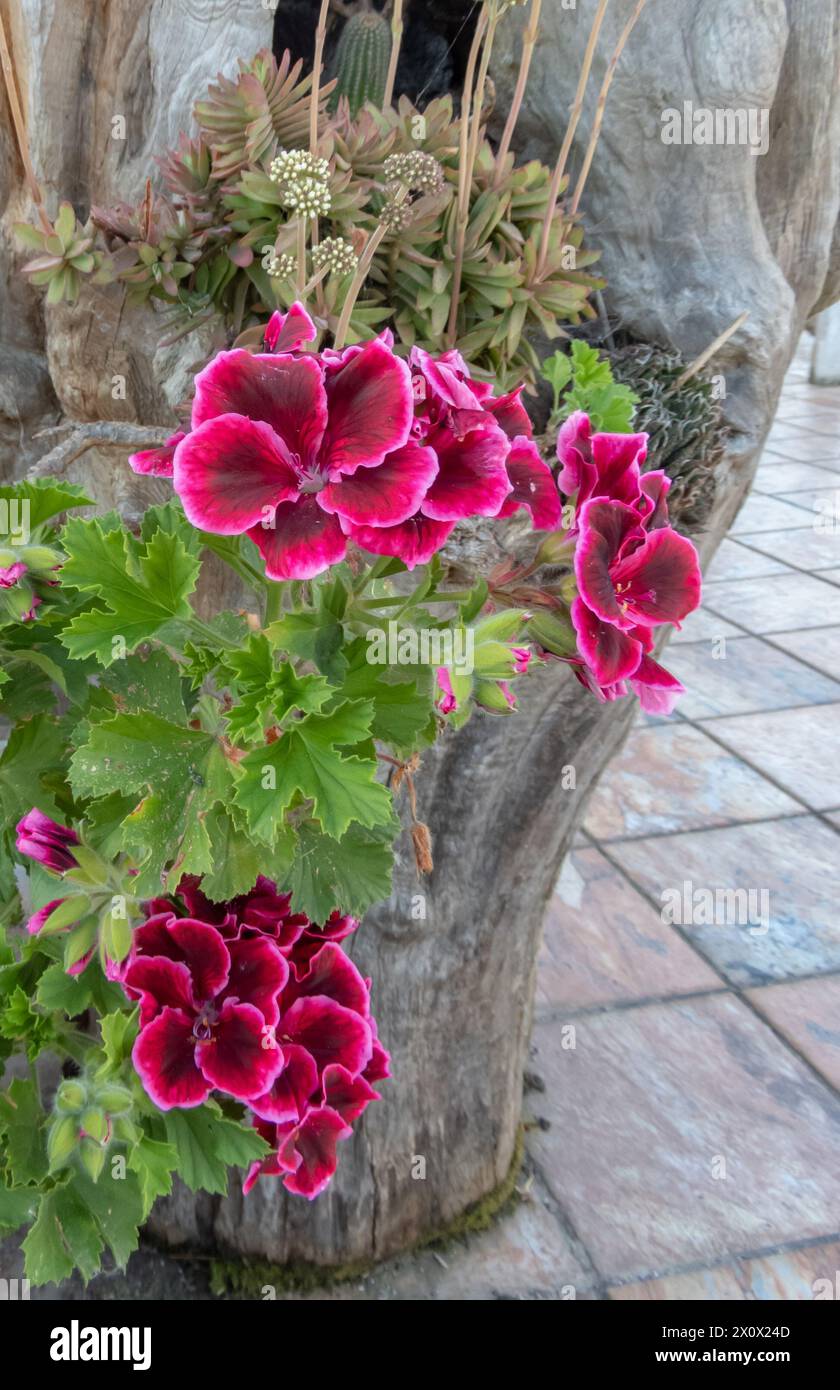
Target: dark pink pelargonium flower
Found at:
x=628, y=576
x=273, y=439
x=598, y=465
x=44, y=840
x=208, y=1011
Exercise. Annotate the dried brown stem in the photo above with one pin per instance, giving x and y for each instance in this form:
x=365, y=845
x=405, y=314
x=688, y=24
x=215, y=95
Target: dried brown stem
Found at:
x=317, y=63
x=602, y=102
x=705, y=356
x=464, y=170
x=20, y=131
x=529, y=39
x=574, y=117
x=396, y=42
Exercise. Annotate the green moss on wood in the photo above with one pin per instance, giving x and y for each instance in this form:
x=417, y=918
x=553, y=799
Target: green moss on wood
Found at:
x=245, y=1278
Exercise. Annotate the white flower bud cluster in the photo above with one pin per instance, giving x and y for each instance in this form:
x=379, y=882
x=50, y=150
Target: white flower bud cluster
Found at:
x=396, y=217
x=417, y=170
x=335, y=253
x=282, y=266
x=303, y=179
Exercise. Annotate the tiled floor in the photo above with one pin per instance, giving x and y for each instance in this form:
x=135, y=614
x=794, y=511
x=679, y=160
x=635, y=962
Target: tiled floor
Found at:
x=688, y=1009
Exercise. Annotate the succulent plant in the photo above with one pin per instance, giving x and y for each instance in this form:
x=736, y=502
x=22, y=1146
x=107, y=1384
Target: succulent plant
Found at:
x=225, y=235
x=685, y=425
x=361, y=60
x=66, y=254
x=267, y=104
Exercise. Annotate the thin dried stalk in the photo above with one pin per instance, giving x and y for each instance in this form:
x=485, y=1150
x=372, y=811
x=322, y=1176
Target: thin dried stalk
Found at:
x=20, y=131
x=360, y=274
x=574, y=117
x=529, y=39
x=602, y=102
x=464, y=171
x=396, y=41
x=699, y=362
x=317, y=62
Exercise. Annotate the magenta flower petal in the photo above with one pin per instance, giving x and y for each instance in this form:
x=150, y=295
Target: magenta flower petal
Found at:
x=157, y=462
x=605, y=527
x=314, y=1140
x=45, y=841
x=331, y=973
x=446, y=702
x=472, y=479
x=447, y=379
x=370, y=410
x=161, y=984
x=230, y=471
x=329, y=1032
x=618, y=459
x=204, y=952
x=659, y=581
x=533, y=485
x=657, y=689
x=286, y=393
x=574, y=450
x=285, y=332
x=655, y=487
x=387, y=494
x=242, y=1056
x=164, y=1058
x=379, y=1066
x=257, y=974
x=348, y=1095
x=37, y=920
x=10, y=574
x=510, y=414
x=610, y=653
x=290, y=1092
x=304, y=540
x=414, y=541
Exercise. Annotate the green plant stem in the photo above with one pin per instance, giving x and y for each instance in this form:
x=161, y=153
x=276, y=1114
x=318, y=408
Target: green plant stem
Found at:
x=391, y=600
x=208, y=637
x=273, y=603
x=301, y=256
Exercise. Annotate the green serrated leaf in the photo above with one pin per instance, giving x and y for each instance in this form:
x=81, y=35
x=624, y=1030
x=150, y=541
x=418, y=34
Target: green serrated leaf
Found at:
x=144, y=587
x=352, y=873
x=306, y=759
x=207, y=1144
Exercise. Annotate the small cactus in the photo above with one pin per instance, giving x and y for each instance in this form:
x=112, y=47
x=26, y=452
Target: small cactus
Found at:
x=361, y=60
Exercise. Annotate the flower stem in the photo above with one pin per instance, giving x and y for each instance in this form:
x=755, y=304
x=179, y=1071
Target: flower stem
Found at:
x=317, y=61
x=396, y=40
x=602, y=101
x=464, y=175
x=273, y=603
x=301, y=255
x=360, y=274
x=529, y=39
x=574, y=117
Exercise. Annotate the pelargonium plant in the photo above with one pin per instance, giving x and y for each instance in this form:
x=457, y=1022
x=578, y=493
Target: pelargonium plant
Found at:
x=196, y=811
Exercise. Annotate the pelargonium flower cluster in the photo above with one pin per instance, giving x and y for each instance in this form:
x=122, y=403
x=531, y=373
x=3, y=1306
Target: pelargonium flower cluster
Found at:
x=255, y=1001
x=634, y=572
x=304, y=451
